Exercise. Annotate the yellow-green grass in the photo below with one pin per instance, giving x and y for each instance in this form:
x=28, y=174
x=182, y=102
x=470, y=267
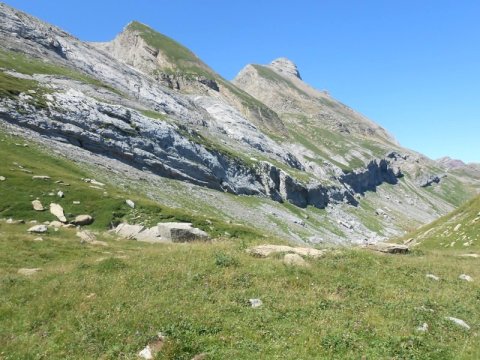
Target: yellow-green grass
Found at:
x=347, y=305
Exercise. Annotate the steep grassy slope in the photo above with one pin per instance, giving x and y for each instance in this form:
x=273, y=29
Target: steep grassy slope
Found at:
x=458, y=231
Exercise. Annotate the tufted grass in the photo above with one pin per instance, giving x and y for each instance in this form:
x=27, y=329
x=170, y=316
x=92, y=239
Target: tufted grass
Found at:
x=348, y=305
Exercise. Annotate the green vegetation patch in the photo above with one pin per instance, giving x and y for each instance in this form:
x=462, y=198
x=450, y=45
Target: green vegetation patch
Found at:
x=23, y=64
x=89, y=302
x=177, y=54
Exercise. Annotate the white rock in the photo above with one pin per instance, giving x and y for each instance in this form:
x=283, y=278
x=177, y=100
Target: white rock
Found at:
x=41, y=177
x=57, y=210
x=146, y=353
x=38, y=229
x=457, y=227
x=470, y=255
x=28, y=272
x=130, y=203
x=37, y=205
x=459, y=322
x=2, y=178
x=423, y=327
x=255, y=303
x=76, y=202
x=433, y=277
x=60, y=194
x=95, y=182
x=38, y=239
x=83, y=220
x=465, y=277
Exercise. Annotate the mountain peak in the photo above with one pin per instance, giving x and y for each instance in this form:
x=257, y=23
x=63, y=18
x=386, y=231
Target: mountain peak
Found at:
x=285, y=66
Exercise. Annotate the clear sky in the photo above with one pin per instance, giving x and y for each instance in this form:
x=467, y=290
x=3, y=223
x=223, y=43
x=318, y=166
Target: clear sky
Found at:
x=412, y=66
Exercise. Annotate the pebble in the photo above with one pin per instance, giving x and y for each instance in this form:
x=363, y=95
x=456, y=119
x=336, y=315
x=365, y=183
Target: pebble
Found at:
x=423, y=327
x=255, y=303
x=459, y=322
x=465, y=277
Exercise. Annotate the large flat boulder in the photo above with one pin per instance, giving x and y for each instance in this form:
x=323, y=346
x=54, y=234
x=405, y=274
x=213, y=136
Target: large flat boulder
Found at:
x=128, y=231
x=267, y=250
x=180, y=232
x=388, y=248
x=57, y=210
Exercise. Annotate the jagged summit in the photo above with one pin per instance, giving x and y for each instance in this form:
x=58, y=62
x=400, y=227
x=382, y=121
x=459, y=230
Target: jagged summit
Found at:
x=286, y=67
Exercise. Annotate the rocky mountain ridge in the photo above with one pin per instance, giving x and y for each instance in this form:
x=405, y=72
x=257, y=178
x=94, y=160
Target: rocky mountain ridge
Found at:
x=147, y=101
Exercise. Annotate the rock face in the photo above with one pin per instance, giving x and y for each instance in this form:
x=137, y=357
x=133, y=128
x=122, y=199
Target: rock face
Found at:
x=180, y=232
x=376, y=173
x=285, y=67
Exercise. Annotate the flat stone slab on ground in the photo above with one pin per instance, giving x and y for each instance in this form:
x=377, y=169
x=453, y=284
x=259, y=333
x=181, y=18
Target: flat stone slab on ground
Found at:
x=38, y=229
x=28, y=272
x=388, y=248
x=267, y=250
x=57, y=210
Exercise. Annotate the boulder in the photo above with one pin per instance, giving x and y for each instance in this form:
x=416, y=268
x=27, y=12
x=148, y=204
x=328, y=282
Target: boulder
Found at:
x=57, y=210
x=83, y=220
x=89, y=238
x=180, y=232
x=76, y=202
x=60, y=194
x=86, y=236
x=2, y=178
x=294, y=260
x=37, y=205
x=389, y=248
x=267, y=250
x=128, y=231
x=151, y=235
x=41, y=177
x=55, y=224
x=130, y=203
x=38, y=229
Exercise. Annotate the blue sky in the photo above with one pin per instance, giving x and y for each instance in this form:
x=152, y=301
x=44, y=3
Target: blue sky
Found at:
x=412, y=66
